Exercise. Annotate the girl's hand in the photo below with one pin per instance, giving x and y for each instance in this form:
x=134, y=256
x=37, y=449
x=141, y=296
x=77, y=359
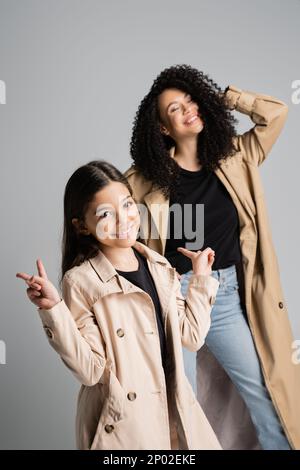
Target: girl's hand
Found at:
x=202, y=260
x=41, y=291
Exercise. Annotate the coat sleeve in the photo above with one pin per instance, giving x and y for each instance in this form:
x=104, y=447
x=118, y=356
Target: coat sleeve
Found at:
x=269, y=116
x=73, y=332
x=194, y=310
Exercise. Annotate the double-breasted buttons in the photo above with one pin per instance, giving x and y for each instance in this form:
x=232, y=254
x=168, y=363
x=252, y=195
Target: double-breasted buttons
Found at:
x=48, y=332
x=109, y=428
x=280, y=305
x=131, y=396
x=120, y=332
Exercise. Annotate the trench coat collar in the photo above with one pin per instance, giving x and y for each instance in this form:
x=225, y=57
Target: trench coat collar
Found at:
x=106, y=271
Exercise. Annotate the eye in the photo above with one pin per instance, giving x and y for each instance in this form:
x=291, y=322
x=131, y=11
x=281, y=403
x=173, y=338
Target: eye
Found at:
x=103, y=215
x=128, y=203
x=174, y=109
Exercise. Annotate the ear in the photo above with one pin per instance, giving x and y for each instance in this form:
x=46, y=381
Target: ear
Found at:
x=80, y=227
x=163, y=129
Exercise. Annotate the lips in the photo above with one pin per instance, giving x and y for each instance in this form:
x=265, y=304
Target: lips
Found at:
x=191, y=120
x=123, y=233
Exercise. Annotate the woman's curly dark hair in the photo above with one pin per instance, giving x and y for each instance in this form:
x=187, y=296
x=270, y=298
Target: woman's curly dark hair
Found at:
x=149, y=148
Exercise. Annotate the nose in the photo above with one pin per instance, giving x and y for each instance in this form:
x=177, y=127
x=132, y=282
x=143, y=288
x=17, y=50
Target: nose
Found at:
x=122, y=220
x=188, y=107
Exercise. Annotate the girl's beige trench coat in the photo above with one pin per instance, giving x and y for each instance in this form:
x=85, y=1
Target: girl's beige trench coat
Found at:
x=105, y=331
x=259, y=278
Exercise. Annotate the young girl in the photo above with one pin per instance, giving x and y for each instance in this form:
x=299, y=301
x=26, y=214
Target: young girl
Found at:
x=122, y=321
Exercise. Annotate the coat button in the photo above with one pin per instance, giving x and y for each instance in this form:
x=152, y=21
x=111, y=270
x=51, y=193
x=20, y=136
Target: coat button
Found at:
x=109, y=428
x=131, y=396
x=49, y=332
x=212, y=299
x=120, y=332
x=280, y=305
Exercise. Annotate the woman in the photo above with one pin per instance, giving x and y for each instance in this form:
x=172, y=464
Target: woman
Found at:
x=186, y=152
x=121, y=322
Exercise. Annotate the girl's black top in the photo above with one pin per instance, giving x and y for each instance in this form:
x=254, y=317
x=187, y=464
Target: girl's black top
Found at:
x=143, y=279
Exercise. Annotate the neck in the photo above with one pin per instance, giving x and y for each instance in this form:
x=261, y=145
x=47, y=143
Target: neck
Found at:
x=121, y=258
x=186, y=154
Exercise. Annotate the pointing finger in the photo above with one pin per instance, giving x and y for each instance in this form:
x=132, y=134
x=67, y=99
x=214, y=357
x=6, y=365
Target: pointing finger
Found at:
x=186, y=252
x=23, y=276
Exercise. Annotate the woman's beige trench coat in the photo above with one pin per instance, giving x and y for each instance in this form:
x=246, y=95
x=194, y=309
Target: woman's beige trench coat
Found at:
x=259, y=278
x=105, y=331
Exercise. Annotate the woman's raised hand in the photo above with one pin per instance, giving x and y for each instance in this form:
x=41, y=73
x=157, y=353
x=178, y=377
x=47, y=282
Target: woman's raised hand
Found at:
x=202, y=260
x=41, y=291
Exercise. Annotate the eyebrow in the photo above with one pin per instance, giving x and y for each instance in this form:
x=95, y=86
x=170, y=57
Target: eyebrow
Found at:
x=174, y=102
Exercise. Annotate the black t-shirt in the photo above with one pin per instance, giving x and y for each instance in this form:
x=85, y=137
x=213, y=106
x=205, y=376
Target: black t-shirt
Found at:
x=221, y=223
x=143, y=279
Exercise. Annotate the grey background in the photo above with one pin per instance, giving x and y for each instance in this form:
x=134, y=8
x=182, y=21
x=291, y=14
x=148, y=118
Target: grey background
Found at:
x=75, y=72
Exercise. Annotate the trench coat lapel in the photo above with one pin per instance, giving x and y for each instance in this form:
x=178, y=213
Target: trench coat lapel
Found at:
x=162, y=275
x=158, y=206
x=229, y=175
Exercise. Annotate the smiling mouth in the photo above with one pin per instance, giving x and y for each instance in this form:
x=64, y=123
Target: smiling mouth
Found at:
x=125, y=232
x=191, y=120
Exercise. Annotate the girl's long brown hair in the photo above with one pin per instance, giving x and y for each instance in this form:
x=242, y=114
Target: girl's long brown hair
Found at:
x=80, y=190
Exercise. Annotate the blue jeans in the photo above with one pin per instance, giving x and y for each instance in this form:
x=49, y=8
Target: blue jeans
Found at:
x=230, y=341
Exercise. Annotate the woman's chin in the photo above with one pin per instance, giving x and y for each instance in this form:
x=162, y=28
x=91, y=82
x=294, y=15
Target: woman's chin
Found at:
x=197, y=129
x=192, y=132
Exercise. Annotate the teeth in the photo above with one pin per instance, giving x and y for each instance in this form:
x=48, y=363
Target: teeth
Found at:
x=124, y=233
x=191, y=119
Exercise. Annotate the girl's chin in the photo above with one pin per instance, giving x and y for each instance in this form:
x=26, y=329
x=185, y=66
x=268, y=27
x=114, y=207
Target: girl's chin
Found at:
x=123, y=241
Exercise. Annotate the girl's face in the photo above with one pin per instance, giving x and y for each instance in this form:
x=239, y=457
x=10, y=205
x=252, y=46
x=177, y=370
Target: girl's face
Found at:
x=180, y=117
x=112, y=217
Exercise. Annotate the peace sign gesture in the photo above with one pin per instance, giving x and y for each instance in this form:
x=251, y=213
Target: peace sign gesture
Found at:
x=41, y=291
x=202, y=260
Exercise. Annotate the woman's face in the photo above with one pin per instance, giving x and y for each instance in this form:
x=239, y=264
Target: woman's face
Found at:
x=112, y=216
x=180, y=116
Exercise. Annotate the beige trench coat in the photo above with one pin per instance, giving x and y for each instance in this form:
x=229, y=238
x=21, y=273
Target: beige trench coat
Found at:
x=105, y=331
x=259, y=278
